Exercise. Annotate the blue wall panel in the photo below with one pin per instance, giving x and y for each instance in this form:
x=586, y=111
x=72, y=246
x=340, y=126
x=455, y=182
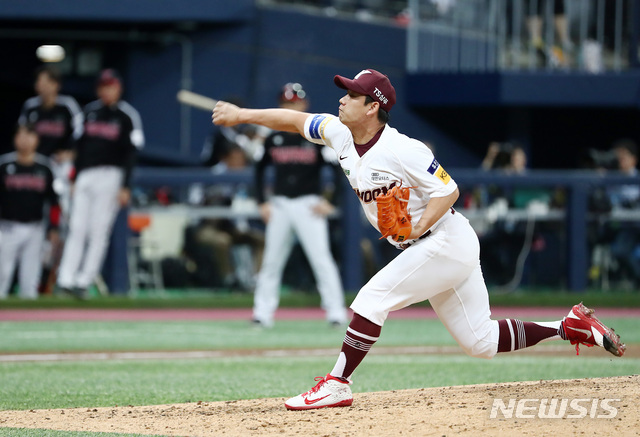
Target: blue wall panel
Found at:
x=525, y=89
x=155, y=76
x=128, y=10
x=328, y=39
x=253, y=62
x=152, y=81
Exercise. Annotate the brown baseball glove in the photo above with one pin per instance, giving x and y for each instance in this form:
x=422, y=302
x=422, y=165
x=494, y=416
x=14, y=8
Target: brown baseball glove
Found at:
x=393, y=218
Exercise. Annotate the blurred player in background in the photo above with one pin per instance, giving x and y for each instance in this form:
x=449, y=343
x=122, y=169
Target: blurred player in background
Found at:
x=296, y=209
x=26, y=189
x=57, y=118
x=58, y=121
x=104, y=161
x=440, y=250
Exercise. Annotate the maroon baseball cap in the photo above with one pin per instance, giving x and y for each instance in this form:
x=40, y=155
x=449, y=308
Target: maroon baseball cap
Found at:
x=371, y=83
x=109, y=76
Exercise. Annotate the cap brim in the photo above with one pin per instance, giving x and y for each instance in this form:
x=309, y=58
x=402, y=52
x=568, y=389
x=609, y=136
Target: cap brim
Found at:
x=348, y=84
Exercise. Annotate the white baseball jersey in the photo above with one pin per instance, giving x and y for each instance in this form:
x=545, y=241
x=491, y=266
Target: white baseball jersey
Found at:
x=444, y=268
x=394, y=159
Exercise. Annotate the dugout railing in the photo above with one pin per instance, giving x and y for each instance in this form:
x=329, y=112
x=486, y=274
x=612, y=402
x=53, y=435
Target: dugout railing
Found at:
x=578, y=186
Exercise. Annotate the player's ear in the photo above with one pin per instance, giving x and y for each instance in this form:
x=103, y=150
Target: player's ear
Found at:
x=373, y=108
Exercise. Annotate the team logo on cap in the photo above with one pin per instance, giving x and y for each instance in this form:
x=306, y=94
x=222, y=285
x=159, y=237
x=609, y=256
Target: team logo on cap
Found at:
x=380, y=96
x=361, y=73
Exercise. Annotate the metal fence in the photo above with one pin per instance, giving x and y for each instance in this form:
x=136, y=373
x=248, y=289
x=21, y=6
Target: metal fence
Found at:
x=489, y=35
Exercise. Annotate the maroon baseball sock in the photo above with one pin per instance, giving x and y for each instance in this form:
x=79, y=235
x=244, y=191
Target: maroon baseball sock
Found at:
x=516, y=334
x=361, y=335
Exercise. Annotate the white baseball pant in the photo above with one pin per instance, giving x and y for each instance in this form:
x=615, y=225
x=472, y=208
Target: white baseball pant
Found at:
x=445, y=269
x=93, y=210
x=290, y=218
x=21, y=242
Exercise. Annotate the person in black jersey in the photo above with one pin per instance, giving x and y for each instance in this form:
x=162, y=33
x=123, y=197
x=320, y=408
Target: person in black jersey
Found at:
x=58, y=121
x=57, y=118
x=295, y=209
x=104, y=161
x=26, y=189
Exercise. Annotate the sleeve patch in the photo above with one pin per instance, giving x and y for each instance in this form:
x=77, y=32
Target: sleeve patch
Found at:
x=436, y=169
x=316, y=128
x=433, y=167
x=443, y=175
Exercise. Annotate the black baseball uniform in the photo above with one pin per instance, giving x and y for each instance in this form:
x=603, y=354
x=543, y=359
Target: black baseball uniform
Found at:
x=25, y=193
x=58, y=127
x=105, y=157
x=298, y=165
x=112, y=136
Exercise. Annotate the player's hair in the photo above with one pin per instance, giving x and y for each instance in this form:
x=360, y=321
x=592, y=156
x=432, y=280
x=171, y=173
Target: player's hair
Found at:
x=52, y=71
x=383, y=116
x=29, y=127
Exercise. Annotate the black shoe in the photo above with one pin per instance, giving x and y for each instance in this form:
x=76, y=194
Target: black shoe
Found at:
x=62, y=291
x=79, y=293
x=258, y=324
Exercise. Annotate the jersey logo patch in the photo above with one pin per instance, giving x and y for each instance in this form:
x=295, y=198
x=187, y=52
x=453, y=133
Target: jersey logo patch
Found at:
x=436, y=169
x=376, y=176
x=316, y=128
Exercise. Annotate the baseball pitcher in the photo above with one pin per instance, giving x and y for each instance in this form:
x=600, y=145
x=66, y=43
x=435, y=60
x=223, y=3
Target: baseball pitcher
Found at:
x=408, y=196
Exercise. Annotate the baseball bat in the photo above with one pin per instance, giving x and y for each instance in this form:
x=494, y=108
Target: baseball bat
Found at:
x=196, y=100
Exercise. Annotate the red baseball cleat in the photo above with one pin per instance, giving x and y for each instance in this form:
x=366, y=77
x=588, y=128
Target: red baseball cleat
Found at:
x=582, y=327
x=329, y=392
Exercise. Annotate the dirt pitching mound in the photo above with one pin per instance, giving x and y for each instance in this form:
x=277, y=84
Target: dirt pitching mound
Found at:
x=599, y=406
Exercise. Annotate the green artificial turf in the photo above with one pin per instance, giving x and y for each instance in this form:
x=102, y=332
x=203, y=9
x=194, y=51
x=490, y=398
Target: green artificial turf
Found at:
x=57, y=336
x=105, y=382
x=108, y=382
x=147, y=382
x=301, y=298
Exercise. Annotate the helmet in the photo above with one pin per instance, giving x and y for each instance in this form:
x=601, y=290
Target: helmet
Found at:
x=292, y=92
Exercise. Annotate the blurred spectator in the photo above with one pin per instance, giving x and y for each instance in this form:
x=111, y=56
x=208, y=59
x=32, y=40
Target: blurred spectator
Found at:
x=234, y=159
x=104, y=161
x=625, y=244
x=232, y=246
x=508, y=241
x=26, y=188
x=628, y=195
x=250, y=138
x=511, y=158
x=497, y=157
x=296, y=209
x=549, y=53
x=522, y=197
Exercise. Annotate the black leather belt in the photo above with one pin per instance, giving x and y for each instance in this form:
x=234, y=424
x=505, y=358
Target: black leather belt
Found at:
x=404, y=246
